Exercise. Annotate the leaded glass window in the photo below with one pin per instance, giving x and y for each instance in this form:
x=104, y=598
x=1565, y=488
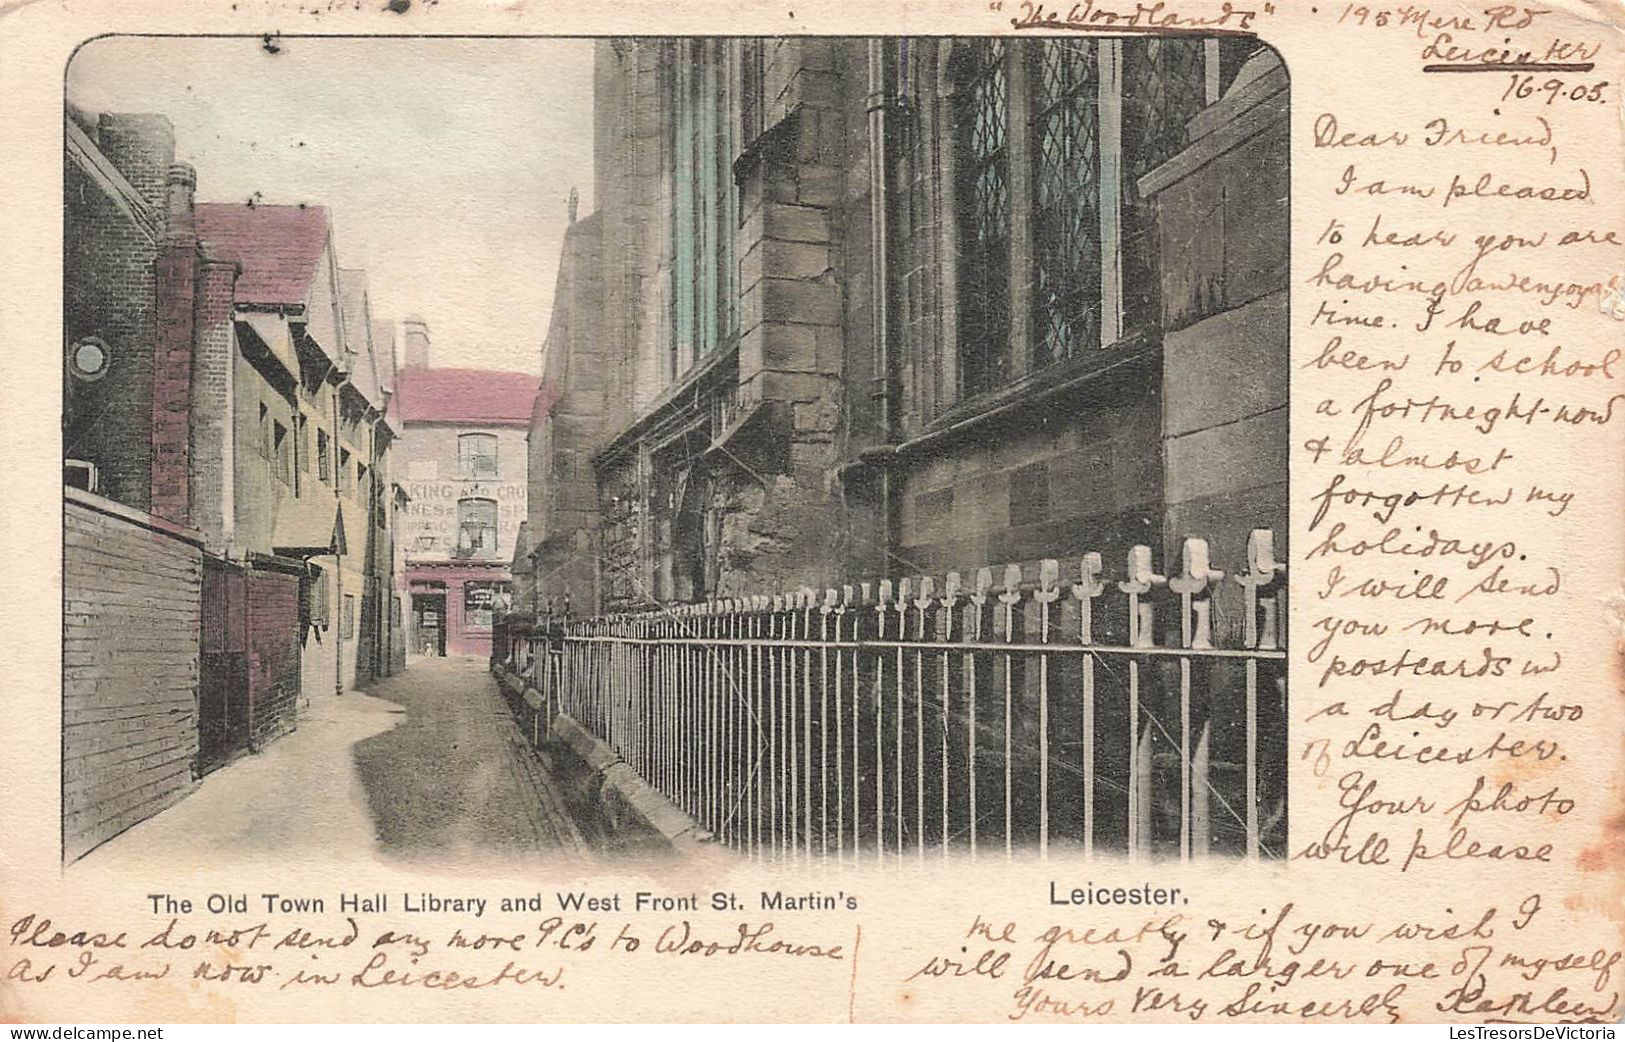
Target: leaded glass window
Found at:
x=684, y=228
x=1164, y=87
x=752, y=87
x=1066, y=199
x=701, y=145
x=1054, y=250
x=1165, y=84
x=983, y=200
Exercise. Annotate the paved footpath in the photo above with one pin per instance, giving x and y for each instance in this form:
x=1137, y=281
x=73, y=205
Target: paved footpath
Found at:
x=424, y=766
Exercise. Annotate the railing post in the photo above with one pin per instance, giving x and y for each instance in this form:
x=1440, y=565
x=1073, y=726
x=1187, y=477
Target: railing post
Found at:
x=1049, y=577
x=1084, y=592
x=978, y=601
x=1141, y=626
x=731, y=721
x=882, y=606
x=826, y=608
x=922, y=605
x=905, y=595
x=951, y=588
x=806, y=598
x=1194, y=586
x=842, y=610
x=1009, y=597
x=1258, y=585
x=759, y=732
x=864, y=593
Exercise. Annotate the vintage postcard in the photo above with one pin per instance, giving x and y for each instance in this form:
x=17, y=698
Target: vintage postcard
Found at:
x=999, y=512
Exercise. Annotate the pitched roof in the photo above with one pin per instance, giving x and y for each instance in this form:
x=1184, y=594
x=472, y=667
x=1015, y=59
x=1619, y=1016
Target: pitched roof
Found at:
x=362, y=363
x=277, y=246
x=465, y=396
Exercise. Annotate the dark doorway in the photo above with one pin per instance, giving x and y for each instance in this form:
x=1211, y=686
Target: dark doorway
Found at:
x=223, y=703
x=429, y=623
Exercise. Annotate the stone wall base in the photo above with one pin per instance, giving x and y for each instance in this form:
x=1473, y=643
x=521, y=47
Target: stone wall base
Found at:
x=615, y=809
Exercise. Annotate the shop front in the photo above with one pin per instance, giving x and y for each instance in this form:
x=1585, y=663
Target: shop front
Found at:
x=454, y=606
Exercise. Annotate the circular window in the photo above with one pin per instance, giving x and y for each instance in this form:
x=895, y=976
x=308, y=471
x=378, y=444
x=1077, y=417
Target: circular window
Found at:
x=89, y=358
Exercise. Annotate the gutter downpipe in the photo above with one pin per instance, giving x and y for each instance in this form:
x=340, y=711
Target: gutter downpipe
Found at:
x=880, y=281
x=335, y=606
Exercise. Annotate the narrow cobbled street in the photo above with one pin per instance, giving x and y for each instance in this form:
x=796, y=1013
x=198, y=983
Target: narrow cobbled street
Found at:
x=455, y=777
x=425, y=766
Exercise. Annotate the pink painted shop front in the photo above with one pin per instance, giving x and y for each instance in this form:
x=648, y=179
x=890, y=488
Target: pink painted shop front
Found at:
x=453, y=606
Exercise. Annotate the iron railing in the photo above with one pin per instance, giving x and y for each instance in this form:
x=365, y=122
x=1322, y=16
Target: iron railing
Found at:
x=888, y=720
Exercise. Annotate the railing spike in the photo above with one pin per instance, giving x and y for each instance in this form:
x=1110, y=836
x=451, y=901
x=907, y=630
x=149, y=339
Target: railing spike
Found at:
x=1196, y=560
x=928, y=589
x=1049, y=580
x=984, y=584
x=951, y=588
x=1261, y=552
x=1012, y=584
x=1089, y=585
x=1141, y=574
x=1141, y=578
x=1199, y=577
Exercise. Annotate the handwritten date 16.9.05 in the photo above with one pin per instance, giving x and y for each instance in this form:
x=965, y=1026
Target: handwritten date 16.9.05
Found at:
x=1523, y=87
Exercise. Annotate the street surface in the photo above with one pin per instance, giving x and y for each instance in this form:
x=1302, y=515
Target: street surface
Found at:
x=425, y=766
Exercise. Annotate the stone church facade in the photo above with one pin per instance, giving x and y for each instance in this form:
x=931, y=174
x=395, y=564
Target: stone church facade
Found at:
x=855, y=308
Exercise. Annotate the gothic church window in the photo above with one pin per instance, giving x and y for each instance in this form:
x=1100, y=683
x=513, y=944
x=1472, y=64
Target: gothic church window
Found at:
x=1052, y=246
x=983, y=197
x=702, y=141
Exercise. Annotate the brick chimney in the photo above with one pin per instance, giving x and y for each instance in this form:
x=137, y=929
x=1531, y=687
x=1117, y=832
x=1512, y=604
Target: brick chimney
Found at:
x=176, y=289
x=182, y=224
x=415, y=335
x=142, y=146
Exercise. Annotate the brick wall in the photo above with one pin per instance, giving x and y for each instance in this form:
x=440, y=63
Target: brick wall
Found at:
x=177, y=285
x=142, y=146
x=108, y=292
x=273, y=655
x=131, y=614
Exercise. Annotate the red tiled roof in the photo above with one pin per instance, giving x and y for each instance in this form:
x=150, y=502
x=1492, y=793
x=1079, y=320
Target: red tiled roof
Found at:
x=277, y=246
x=465, y=396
